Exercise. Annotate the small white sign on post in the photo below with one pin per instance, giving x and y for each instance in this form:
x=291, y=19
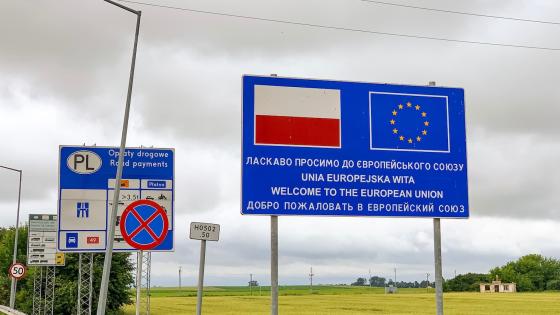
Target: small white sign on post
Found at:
x=205, y=231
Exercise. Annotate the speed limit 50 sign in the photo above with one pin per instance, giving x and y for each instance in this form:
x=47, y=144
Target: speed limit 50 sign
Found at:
x=17, y=271
x=205, y=231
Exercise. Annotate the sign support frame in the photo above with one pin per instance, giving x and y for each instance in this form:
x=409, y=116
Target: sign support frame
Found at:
x=139, y=256
x=200, y=277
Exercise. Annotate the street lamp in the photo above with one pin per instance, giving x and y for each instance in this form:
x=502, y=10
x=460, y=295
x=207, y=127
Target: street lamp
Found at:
x=104, y=286
x=13, y=286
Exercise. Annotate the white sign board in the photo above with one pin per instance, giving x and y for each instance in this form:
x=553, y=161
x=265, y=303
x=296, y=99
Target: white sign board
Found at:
x=205, y=231
x=41, y=241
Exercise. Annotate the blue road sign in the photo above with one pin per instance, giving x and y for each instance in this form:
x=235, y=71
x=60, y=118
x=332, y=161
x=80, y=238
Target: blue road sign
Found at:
x=313, y=147
x=71, y=240
x=86, y=187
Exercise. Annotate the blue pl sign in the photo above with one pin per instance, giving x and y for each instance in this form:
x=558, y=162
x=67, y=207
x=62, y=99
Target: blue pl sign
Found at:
x=315, y=147
x=87, y=184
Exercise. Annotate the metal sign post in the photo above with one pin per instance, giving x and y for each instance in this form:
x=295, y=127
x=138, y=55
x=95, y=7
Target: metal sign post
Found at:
x=200, y=277
x=437, y=258
x=274, y=265
x=109, y=253
x=14, y=256
x=138, y=280
x=203, y=232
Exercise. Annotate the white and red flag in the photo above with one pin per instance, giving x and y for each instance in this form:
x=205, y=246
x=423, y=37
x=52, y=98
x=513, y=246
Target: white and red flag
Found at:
x=297, y=116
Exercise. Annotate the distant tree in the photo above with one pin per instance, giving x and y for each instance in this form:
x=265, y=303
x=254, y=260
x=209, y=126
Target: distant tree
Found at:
x=359, y=282
x=376, y=281
x=253, y=283
x=530, y=273
x=466, y=282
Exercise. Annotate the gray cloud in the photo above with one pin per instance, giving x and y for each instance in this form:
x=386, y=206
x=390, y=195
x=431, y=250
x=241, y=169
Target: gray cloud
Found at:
x=63, y=76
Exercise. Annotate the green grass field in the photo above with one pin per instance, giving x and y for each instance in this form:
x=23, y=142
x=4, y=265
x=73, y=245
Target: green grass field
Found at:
x=346, y=300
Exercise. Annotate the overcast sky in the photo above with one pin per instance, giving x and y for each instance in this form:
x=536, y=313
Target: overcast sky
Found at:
x=64, y=69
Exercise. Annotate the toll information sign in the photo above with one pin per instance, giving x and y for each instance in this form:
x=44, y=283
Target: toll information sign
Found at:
x=41, y=241
x=313, y=147
x=86, y=190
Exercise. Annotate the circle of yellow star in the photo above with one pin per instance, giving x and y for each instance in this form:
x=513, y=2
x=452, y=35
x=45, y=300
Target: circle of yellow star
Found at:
x=421, y=133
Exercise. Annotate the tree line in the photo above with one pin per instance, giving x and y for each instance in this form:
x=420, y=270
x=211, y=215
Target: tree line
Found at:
x=530, y=273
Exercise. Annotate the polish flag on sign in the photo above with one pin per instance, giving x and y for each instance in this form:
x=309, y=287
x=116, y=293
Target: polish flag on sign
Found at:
x=295, y=116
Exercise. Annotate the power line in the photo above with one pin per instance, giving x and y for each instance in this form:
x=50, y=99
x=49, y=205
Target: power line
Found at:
x=461, y=12
x=339, y=28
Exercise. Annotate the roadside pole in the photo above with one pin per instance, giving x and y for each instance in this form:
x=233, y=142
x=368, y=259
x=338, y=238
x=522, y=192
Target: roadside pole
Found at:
x=139, y=257
x=200, y=277
x=102, y=303
x=203, y=232
x=13, y=284
x=437, y=257
x=438, y=267
x=274, y=264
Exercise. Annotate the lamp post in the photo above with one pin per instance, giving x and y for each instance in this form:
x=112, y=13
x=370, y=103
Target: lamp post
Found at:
x=102, y=303
x=14, y=258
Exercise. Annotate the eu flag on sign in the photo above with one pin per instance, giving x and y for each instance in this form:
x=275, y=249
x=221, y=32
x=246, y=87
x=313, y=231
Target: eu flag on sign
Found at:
x=408, y=122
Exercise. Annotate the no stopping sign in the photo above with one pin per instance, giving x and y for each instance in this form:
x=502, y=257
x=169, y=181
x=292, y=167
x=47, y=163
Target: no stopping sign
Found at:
x=144, y=224
x=17, y=271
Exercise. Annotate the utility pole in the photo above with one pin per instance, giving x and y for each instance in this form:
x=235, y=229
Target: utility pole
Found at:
x=103, y=288
x=179, y=277
x=369, y=279
x=396, y=277
x=427, y=282
x=311, y=280
x=251, y=283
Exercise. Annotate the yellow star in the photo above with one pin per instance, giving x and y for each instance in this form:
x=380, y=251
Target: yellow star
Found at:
x=426, y=123
x=424, y=114
x=409, y=104
x=395, y=131
x=400, y=106
x=394, y=113
x=424, y=132
x=417, y=107
x=409, y=140
x=392, y=121
x=418, y=138
x=401, y=138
